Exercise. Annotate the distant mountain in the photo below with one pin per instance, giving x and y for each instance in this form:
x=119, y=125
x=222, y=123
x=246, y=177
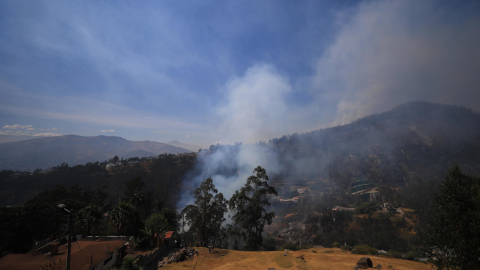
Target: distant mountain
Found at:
x=191, y=147
x=15, y=138
x=73, y=150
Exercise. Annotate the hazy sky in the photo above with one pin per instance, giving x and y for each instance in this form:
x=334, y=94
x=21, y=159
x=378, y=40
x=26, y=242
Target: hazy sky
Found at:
x=208, y=71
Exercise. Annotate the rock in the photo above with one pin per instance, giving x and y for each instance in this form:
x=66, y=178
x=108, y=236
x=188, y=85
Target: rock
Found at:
x=379, y=266
x=364, y=263
x=178, y=256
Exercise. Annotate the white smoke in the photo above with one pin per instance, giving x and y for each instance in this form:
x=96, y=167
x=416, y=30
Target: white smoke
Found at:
x=387, y=53
x=384, y=54
x=255, y=108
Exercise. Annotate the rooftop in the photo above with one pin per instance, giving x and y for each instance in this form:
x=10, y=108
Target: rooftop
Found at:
x=81, y=256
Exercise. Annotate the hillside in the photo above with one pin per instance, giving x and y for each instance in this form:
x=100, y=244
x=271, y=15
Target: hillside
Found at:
x=15, y=138
x=417, y=140
x=404, y=153
x=74, y=150
x=323, y=259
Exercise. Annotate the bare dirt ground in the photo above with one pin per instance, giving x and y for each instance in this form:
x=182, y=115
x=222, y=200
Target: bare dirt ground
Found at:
x=337, y=259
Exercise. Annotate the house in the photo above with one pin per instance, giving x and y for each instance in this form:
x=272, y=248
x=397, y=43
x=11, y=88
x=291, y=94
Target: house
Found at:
x=146, y=258
x=360, y=183
x=289, y=200
x=301, y=190
x=340, y=208
x=169, y=239
x=96, y=253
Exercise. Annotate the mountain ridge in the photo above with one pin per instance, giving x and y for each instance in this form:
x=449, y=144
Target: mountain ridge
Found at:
x=191, y=147
x=74, y=149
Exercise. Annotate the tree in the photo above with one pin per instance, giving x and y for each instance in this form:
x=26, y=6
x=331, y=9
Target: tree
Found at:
x=206, y=215
x=89, y=218
x=123, y=215
x=452, y=237
x=142, y=201
x=155, y=228
x=269, y=243
x=248, y=206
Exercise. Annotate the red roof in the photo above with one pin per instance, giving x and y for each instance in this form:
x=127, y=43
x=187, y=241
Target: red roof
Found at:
x=169, y=234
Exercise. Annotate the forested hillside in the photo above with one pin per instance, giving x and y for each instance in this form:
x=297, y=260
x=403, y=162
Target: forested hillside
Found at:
x=405, y=153
x=162, y=175
x=417, y=140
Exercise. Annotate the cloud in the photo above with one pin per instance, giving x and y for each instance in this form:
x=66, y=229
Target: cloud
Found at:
x=29, y=127
x=72, y=109
x=109, y=130
x=47, y=134
x=390, y=52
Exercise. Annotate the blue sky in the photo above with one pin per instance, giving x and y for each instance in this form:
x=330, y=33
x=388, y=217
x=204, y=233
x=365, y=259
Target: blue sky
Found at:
x=208, y=71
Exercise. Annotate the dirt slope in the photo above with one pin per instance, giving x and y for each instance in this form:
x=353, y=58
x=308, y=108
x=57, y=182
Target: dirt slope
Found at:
x=267, y=259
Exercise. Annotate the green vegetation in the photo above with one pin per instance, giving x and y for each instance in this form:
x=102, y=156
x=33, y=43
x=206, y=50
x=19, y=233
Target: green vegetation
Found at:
x=41, y=218
x=248, y=206
x=365, y=250
x=162, y=176
x=452, y=237
x=268, y=243
x=206, y=215
x=367, y=208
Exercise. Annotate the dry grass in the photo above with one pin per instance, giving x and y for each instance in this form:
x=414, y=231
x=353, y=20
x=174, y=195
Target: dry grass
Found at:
x=266, y=259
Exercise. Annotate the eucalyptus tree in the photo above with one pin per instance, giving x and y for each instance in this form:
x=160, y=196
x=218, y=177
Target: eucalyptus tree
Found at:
x=248, y=207
x=206, y=215
x=452, y=238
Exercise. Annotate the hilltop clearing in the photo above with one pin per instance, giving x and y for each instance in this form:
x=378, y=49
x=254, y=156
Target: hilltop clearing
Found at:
x=334, y=259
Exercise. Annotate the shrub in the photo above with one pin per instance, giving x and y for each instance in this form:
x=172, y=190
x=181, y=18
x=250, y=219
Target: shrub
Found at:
x=314, y=250
x=269, y=243
x=367, y=208
x=394, y=254
x=410, y=256
x=336, y=244
x=365, y=250
x=346, y=248
x=289, y=245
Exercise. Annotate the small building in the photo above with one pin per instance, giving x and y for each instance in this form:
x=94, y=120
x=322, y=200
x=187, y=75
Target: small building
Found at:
x=109, y=166
x=302, y=190
x=340, y=208
x=169, y=239
x=361, y=183
x=289, y=200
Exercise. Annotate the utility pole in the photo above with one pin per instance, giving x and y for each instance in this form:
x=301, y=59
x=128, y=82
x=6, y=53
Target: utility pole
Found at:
x=70, y=233
x=69, y=249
